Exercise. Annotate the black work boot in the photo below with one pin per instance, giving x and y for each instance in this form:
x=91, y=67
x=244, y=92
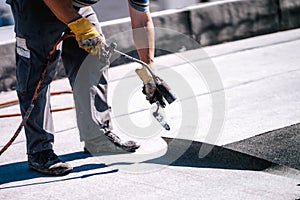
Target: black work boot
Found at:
x=47, y=162
x=129, y=146
x=111, y=144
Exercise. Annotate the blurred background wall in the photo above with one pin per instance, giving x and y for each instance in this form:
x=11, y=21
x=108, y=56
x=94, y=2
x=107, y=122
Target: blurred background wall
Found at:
x=5, y=14
x=111, y=9
x=114, y=9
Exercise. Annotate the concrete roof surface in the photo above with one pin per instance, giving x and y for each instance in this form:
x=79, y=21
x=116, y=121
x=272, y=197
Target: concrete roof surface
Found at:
x=255, y=155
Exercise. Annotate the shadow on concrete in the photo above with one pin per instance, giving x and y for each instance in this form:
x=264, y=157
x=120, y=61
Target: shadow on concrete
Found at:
x=19, y=171
x=218, y=157
x=185, y=153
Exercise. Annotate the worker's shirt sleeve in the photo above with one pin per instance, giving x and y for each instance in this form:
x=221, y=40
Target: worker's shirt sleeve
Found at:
x=140, y=5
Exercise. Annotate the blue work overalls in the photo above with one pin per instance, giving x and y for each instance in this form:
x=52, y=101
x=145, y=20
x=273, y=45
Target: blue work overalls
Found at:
x=37, y=30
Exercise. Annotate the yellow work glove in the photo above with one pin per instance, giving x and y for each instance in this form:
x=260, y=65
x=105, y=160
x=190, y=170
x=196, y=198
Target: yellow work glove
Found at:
x=86, y=34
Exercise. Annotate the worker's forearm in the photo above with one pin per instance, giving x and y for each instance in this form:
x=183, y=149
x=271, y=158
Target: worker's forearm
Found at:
x=145, y=45
x=63, y=10
x=143, y=36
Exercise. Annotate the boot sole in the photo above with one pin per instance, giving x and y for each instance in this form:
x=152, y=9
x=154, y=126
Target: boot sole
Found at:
x=52, y=172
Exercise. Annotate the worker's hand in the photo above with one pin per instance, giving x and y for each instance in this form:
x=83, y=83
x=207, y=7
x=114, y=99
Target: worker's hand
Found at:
x=86, y=34
x=150, y=88
x=152, y=94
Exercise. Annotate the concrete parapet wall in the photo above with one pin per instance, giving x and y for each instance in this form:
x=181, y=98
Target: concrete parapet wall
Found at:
x=208, y=24
x=222, y=22
x=289, y=14
x=7, y=67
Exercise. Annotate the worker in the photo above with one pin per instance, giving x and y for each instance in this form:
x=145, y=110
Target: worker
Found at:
x=39, y=24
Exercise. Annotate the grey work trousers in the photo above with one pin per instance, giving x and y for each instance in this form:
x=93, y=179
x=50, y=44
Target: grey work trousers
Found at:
x=37, y=30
